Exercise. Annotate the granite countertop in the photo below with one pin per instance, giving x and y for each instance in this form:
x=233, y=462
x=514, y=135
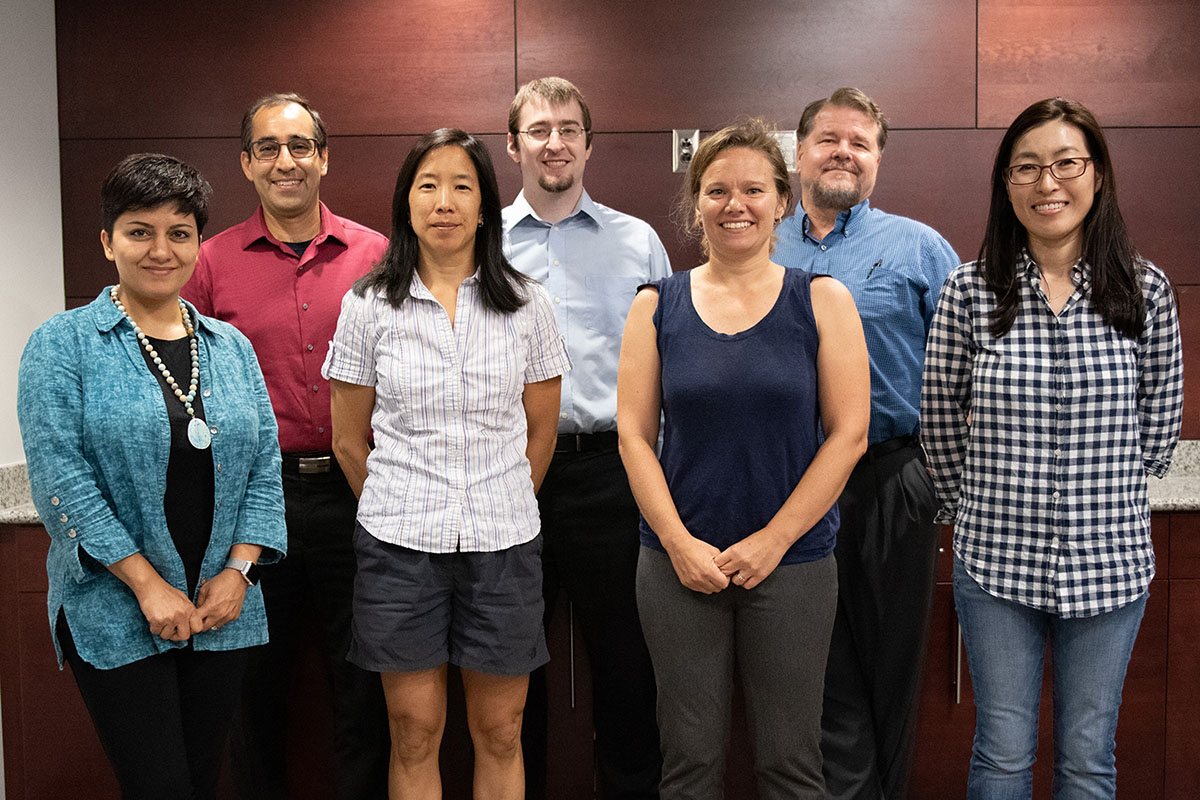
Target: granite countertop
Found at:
x=1179, y=491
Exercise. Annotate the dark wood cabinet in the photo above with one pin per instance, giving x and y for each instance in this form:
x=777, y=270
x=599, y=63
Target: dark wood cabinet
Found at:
x=50, y=750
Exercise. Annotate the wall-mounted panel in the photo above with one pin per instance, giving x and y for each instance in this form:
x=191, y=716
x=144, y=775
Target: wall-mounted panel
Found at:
x=1189, y=325
x=658, y=66
x=1133, y=62
x=128, y=70
x=940, y=178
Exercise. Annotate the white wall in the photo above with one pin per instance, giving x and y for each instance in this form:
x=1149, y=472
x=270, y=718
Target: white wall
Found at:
x=31, y=270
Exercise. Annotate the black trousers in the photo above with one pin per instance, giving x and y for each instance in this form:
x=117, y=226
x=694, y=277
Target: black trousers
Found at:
x=590, y=534
x=162, y=720
x=314, y=582
x=887, y=559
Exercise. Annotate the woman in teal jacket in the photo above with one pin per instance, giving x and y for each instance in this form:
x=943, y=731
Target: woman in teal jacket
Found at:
x=154, y=465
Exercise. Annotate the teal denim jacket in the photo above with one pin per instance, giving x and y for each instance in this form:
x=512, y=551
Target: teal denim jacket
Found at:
x=97, y=440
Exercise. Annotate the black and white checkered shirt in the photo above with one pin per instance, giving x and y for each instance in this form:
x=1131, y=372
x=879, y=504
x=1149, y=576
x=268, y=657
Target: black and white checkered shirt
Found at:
x=1047, y=484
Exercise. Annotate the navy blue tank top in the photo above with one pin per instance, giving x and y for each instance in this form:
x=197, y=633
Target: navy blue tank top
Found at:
x=741, y=417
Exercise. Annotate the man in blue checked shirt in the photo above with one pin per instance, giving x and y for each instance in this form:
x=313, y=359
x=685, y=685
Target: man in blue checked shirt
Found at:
x=591, y=259
x=887, y=545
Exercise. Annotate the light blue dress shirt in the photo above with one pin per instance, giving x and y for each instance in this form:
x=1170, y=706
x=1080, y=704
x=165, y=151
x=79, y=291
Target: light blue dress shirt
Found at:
x=97, y=440
x=591, y=263
x=894, y=268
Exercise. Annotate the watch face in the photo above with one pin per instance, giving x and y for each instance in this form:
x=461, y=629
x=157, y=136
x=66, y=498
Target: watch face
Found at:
x=252, y=573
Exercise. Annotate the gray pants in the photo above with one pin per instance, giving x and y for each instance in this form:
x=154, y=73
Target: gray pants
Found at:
x=778, y=633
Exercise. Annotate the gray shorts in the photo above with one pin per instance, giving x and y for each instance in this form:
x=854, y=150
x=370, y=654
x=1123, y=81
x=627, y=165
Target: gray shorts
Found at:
x=415, y=611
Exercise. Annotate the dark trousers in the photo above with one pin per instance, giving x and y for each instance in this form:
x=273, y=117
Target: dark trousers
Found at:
x=314, y=583
x=887, y=556
x=590, y=534
x=162, y=720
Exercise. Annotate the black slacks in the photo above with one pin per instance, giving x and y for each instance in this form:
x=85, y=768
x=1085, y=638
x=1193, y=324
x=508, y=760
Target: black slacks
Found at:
x=162, y=720
x=887, y=558
x=590, y=534
x=314, y=583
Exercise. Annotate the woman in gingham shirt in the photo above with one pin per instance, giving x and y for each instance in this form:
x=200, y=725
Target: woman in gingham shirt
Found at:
x=1053, y=385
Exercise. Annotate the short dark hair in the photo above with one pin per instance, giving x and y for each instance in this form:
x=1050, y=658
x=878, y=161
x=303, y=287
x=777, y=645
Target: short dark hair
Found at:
x=282, y=99
x=150, y=180
x=753, y=134
x=499, y=280
x=846, y=97
x=556, y=92
x=1116, y=266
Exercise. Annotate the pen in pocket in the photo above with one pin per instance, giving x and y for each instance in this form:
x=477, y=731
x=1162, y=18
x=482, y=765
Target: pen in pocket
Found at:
x=873, y=266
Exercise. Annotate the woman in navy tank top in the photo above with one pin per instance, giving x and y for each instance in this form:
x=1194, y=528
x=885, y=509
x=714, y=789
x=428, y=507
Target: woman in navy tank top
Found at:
x=760, y=376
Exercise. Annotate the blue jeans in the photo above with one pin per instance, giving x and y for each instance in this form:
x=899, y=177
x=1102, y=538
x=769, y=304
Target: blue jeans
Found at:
x=1005, y=642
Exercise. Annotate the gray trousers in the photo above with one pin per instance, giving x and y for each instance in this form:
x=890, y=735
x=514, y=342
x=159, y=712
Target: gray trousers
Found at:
x=778, y=635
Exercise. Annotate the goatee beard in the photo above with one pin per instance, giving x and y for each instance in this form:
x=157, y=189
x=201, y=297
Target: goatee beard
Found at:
x=560, y=185
x=839, y=198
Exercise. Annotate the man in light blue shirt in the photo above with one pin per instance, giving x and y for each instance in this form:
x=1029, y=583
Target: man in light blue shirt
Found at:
x=887, y=545
x=591, y=259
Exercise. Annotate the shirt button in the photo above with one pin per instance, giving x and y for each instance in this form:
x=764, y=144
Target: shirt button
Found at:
x=71, y=534
x=1057, y=452
x=1058, y=406
x=556, y=262
x=558, y=299
x=1056, y=495
x=316, y=388
x=54, y=501
x=310, y=348
x=62, y=518
x=321, y=429
x=823, y=247
x=563, y=415
x=304, y=306
x=555, y=227
x=213, y=430
x=208, y=393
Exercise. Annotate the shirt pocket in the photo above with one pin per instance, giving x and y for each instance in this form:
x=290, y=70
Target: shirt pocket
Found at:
x=1108, y=374
x=607, y=302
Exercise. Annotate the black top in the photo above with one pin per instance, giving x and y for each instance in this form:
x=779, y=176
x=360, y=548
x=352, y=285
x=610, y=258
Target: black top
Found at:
x=188, y=502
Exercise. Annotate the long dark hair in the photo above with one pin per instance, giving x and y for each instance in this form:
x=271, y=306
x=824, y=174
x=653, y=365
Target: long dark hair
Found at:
x=1116, y=266
x=499, y=280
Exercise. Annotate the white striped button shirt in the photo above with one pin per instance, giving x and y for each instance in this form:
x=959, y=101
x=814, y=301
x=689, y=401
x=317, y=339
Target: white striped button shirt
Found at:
x=1047, y=485
x=448, y=472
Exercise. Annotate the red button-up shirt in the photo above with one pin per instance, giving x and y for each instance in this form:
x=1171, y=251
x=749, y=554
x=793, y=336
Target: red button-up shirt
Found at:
x=287, y=306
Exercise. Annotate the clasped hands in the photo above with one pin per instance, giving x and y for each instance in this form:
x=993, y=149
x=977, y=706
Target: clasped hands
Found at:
x=172, y=615
x=703, y=568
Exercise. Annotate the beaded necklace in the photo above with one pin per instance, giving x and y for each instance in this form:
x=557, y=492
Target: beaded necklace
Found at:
x=197, y=429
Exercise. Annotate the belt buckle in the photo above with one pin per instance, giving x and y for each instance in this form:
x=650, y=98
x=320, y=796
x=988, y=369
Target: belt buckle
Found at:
x=313, y=465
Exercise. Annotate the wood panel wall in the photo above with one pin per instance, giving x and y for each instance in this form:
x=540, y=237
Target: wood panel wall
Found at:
x=950, y=74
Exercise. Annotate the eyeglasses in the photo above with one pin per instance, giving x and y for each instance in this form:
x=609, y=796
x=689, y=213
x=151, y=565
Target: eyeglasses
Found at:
x=567, y=133
x=1064, y=170
x=268, y=149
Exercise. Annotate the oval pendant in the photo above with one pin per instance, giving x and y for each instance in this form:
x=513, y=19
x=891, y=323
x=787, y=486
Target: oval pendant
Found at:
x=198, y=434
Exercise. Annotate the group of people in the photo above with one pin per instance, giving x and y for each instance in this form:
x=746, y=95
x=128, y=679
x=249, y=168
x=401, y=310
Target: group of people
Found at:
x=423, y=440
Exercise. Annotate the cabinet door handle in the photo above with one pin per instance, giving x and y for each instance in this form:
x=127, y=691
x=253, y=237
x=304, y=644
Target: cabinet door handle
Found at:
x=958, y=648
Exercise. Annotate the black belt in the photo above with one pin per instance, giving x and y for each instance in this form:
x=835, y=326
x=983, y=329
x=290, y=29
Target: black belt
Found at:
x=889, y=446
x=309, y=463
x=583, y=442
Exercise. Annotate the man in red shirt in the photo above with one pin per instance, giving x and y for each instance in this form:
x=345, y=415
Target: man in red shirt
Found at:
x=280, y=277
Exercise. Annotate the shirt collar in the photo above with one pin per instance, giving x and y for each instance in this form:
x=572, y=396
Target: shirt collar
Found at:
x=256, y=230
x=107, y=317
x=419, y=291
x=522, y=212
x=1081, y=273
x=849, y=221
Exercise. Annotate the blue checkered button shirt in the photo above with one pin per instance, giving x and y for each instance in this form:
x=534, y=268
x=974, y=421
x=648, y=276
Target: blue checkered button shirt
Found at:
x=1047, y=484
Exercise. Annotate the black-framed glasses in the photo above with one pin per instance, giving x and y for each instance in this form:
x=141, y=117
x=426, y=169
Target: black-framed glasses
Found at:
x=1064, y=170
x=268, y=149
x=567, y=133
